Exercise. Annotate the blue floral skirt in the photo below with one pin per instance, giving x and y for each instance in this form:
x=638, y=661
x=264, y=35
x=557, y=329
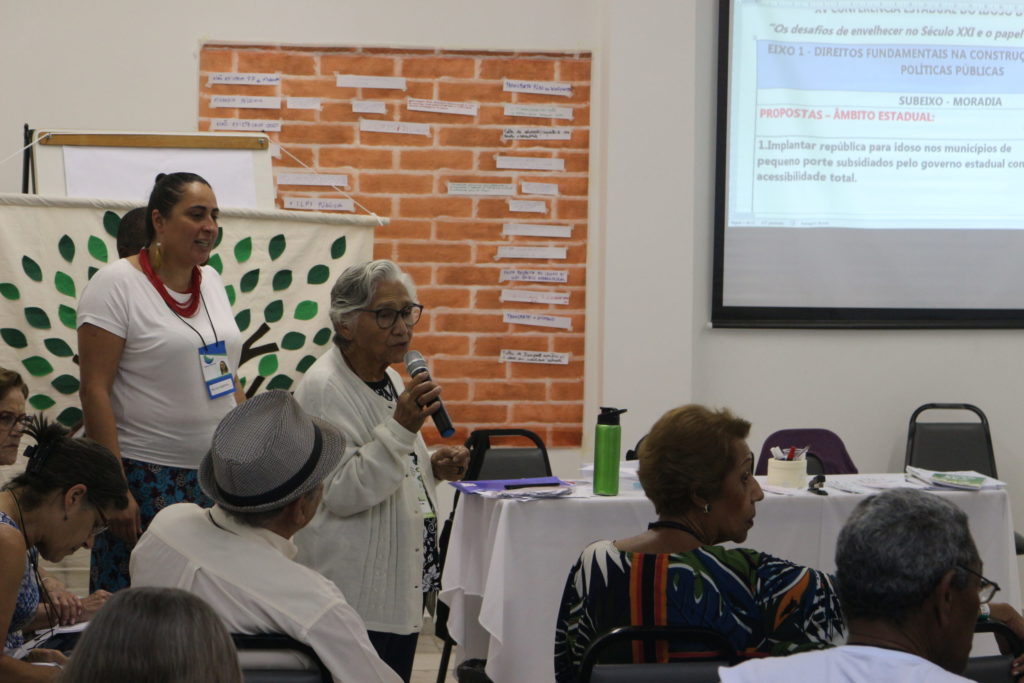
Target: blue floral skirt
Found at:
x=154, y=487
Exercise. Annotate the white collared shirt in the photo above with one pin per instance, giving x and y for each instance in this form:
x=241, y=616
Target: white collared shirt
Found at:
x=249, y=578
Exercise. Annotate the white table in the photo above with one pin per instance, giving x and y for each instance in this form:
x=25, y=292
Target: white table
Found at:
x=508, y=560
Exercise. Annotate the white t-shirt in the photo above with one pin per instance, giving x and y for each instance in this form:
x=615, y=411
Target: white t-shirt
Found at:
x=845, y=664
x=163, y=411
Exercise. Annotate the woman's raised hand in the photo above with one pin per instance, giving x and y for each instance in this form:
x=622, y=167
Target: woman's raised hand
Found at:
x=417, y=402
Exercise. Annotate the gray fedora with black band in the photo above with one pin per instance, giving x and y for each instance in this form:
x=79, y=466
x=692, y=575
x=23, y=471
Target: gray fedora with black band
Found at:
x=267, y=452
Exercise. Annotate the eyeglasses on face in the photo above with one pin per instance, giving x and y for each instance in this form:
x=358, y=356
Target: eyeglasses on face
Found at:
x=387, y=317
x=13, y=421
x=986, y=589
x=102, y=526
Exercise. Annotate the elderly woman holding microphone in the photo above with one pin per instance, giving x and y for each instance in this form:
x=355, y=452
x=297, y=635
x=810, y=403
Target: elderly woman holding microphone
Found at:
x=375, y=533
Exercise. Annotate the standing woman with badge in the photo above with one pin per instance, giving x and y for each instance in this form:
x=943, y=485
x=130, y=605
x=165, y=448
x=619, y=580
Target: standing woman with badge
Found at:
x=158, y=347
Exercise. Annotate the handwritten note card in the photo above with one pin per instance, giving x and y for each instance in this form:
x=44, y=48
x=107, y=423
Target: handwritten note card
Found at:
x=538, y=87
x=533, y=275
x=402, y=127
x=227, y=78
x=246, y=124
x=536, y=133
x=536, y=230
x=540, y=111
x=319, y=204
x=324, y=179
x=538, y=320
x=378, y=82
x=442, y=107
x=369, y=107
x=245, y=102
x=527, y=206
x=540, y=188
x=530, y=163
x=304, y=103
x=532, y=296
x=482, y=189
x=532, y=252
x=545, y=357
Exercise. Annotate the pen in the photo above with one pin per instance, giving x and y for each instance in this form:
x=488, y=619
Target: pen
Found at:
x=526, y=486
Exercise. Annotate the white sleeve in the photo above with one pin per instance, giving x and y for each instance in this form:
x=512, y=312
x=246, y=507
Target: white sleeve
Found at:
x=340, y=640
x=103, y=302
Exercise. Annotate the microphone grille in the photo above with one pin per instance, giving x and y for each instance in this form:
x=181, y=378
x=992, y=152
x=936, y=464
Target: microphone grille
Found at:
x=414, y=362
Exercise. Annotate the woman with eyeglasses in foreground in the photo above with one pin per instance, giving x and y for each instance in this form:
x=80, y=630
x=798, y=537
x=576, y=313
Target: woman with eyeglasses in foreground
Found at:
x=375, y=533
x=55, y=507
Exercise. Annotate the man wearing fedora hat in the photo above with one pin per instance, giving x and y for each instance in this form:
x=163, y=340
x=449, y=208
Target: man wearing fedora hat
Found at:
x=264, y=470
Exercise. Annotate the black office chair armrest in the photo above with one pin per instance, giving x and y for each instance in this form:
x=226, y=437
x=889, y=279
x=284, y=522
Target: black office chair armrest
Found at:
x=279, y=641
x=719, y=647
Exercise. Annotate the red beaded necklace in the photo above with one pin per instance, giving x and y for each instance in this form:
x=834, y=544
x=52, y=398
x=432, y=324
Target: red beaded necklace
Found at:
x=185, y=310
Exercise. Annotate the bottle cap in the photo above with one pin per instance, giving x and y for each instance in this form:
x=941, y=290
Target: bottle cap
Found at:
x=609, y=416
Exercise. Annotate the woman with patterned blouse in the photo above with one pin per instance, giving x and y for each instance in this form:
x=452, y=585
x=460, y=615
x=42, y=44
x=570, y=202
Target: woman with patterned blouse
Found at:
x=696, y=467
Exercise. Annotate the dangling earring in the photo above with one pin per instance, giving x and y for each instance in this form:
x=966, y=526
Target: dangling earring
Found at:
x=707, y=508
x=156, y=257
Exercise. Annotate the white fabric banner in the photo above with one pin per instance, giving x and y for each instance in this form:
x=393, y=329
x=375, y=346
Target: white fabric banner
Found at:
x=278, y=267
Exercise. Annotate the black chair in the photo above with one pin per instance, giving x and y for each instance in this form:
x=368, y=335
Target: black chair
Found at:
x=994, y=668
x=952, y=446
x=698, y=667
x=277, y=658
x=488, y=462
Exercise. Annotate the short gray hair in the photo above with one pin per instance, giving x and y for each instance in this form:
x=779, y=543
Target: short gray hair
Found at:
x=357, y=285
x=895, y=548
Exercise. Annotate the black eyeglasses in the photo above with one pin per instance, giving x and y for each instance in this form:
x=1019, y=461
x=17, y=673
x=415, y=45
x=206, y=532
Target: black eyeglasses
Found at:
x=387, y=317
x=13, y=421
x=102, y=526
x=986, y=589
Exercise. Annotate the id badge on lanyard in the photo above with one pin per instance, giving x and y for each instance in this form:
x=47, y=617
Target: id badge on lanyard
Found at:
x=213, y=361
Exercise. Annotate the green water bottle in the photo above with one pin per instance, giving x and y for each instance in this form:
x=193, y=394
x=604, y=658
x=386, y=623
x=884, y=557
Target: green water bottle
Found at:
x=607, y=447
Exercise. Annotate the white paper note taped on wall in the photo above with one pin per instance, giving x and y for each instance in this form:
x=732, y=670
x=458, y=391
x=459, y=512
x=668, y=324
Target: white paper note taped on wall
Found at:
x=536, y=133
x=527, y=206
x=540, y=188
x=245, y=102
x=303, y=103
x=536, y=230
x=533, y=275
x=442, y=106
x=530, y=163
x=537, y=319
x=263, y=125
x=540, y=111
x=369, y=107
x=482, y=189
x=275, y=150
x=401, y=127
x=533, y=296
x=319, y=204
x=321, y=179
x=543, y=357
x=378, y=82
x=532, y=252
x=228, y=78
x=538, y=87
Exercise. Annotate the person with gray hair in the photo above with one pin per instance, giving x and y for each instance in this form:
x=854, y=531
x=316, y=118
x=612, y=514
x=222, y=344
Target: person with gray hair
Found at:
x=911, y=588
x=264, y=471
x=375, y=533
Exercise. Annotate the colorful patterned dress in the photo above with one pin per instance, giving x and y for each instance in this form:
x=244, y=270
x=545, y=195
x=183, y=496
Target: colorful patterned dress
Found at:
x=28, y=597
x=763, y=605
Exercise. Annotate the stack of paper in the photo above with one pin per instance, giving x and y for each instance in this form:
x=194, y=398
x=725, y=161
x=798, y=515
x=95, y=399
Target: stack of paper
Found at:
x=968, y=480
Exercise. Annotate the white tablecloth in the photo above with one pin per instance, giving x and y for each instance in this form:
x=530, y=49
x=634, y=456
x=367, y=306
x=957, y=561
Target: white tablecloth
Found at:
x=510, y=559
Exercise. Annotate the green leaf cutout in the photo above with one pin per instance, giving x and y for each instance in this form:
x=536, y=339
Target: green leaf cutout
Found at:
x=268, y=365
x=31, y=269
x=92, y=271
x=338, y=248
x=9, y=291
x=273, y=312
x=69, y=417
x=217, y=264
x=13, y=337
x=98, y=248
x=318, y=274
x=276, y=246
x=41, y=402
x=65, y=384
x=58, y=347
x=37, y=366
x=111, y=222
x=242, y=320
x=67, y=316
x=305, y=310
x=220, y=236
x=249, y=280
x=323, y=336
x=64, y=284
x=230, y=290
x=243, y=250
x=37, y=318
x=282, y=280
x=293, y=341
x=66, y=247
x=280, y=382
x=304, y=364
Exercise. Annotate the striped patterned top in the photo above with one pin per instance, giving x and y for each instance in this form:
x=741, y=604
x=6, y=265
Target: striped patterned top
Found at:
x=763, y=605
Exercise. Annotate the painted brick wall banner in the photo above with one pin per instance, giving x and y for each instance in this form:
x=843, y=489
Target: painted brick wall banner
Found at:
x=452, y=146
x=278, y=268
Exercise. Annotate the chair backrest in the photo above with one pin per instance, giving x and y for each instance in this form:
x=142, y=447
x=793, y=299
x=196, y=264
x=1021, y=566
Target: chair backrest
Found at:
x=994, y=668
x=685, y=666
x=500, y=462
x=824, y=443
x=277, y=658
x=945, y=446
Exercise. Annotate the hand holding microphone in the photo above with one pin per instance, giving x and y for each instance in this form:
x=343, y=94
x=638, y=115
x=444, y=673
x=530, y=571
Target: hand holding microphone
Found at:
x=417, y=366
